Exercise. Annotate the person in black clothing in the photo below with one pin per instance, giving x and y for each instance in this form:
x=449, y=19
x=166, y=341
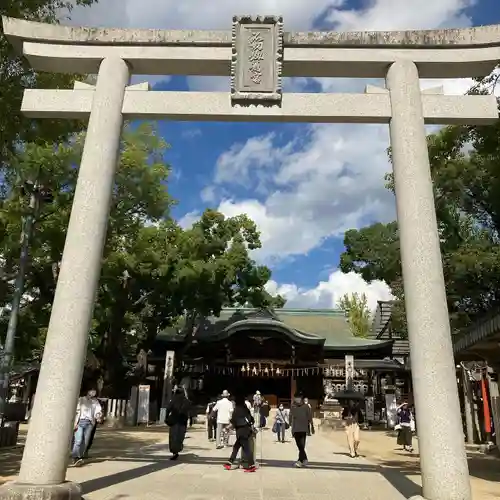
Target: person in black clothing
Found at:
x=264, y=413
x=242, y=422
x=300, y=421
x=212, y=419
x=352, y=416
x=177, y=417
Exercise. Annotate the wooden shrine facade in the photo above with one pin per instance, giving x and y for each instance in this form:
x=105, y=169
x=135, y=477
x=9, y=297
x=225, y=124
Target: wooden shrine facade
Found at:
x=276, y=352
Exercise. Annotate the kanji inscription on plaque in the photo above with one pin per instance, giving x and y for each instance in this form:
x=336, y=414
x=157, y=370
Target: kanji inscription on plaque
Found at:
x=257, y=59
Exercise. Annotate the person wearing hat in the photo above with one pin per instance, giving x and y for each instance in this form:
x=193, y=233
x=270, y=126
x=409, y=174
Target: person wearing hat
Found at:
x=224, y=409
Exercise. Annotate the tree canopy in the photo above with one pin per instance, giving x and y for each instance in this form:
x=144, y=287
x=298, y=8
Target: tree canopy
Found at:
x=465, y=167
x=16, y=75
x=153, y=270
x=355, y=307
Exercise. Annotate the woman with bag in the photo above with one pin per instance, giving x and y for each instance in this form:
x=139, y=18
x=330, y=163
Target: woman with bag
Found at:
x=281, y=423
x=406, y=425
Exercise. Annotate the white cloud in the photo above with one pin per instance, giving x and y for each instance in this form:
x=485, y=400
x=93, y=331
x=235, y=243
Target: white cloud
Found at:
x=332, y=183
x=397, y=15
x=197, y=14
x=330, y=178
x=236, y=164
x=328, y=293
x=188, y=219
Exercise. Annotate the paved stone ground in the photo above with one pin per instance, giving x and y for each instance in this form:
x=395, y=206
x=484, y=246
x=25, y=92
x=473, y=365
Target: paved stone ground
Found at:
x=145, y=471
x=381, y=449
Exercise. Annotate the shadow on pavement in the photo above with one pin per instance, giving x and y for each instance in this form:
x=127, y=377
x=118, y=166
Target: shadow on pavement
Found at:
x=108, y=444
x=397, y=472
x=379, y=447
x=100, y=483
x=394, y=476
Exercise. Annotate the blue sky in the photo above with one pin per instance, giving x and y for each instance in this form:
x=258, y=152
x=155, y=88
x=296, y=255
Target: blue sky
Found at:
x=303, y=185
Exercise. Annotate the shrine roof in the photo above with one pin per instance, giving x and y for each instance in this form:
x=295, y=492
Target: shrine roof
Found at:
x=325, y=327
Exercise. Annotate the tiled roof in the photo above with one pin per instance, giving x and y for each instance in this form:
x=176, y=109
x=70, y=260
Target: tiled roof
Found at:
x=328, y=326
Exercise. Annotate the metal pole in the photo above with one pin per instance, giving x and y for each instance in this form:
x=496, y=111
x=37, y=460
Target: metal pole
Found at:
x=8, y=352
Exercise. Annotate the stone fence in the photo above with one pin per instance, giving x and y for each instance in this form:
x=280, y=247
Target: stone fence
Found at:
x=115, y=412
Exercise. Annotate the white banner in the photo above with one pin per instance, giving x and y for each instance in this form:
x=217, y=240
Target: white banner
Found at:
x=143, y=404
x=349, y=372
x=370, y=408
x=390, y=408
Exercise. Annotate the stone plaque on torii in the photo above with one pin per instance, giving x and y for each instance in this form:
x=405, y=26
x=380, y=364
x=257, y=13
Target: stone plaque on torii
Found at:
x=255, y=54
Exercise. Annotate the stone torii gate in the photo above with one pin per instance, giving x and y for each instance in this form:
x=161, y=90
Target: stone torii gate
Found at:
x=256, y=54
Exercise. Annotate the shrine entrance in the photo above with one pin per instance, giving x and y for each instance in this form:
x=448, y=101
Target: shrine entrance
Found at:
x=256, y=53
x=273, y=388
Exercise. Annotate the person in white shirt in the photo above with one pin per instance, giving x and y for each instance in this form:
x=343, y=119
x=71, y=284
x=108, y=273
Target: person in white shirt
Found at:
x=88, y=412
x=224, y=409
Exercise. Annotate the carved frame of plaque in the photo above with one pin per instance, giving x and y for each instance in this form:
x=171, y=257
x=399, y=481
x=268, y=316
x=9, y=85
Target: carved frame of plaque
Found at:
x=256, y=71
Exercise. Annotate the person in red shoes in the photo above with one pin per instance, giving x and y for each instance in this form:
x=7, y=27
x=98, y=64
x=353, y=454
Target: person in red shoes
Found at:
x=243, y=424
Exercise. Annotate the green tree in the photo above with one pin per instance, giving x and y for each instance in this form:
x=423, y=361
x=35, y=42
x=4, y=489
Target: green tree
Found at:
x=465, y=167
x=355, y=307
x=16, y=75
x=153, y=272
x=140, y=194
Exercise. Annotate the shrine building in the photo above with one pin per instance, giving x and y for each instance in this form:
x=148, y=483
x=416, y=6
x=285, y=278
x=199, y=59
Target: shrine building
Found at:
x=278, y=352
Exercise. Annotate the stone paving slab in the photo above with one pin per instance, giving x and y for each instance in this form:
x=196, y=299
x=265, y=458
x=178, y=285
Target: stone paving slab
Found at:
x=147, y=472
x=380, y=447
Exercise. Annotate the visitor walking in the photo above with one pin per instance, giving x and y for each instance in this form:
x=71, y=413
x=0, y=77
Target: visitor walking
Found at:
x=406, y=426
x=242, y=423
x=257, y=403
x=212, y=419
x=310, y=431
x=248, y=404
x=352, y=417
x=224, y=409
x=91, y=440
x=88, y=412
x=300, y=419
x=281, y=423
x=264, y=413
x=177, y=417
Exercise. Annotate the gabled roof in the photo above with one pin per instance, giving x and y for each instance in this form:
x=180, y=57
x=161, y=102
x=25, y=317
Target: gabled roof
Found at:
x=325, y=327
x=233, y=320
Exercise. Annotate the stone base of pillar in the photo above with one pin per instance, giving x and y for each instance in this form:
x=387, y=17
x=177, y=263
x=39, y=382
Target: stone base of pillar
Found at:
x=20, y=491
